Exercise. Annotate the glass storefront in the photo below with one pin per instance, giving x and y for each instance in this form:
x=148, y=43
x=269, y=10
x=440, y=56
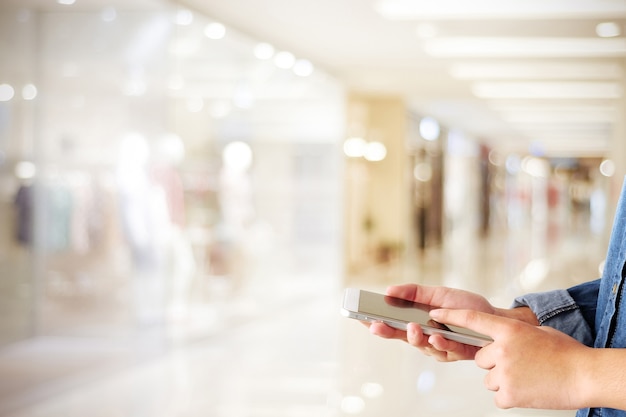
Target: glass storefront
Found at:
x=147, y=159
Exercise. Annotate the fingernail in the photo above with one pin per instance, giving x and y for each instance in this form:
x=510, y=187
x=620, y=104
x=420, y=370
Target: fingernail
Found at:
x=435, y=314
x=411, y=331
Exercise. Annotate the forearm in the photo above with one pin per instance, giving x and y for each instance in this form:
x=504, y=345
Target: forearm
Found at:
x=602, y=381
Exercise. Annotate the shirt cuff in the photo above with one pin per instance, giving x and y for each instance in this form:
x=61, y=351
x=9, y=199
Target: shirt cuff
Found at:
x=557, y=309
x=548, y=304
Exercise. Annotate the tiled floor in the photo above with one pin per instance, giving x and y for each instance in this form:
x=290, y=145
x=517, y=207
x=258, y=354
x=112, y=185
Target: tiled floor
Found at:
x=294, y=355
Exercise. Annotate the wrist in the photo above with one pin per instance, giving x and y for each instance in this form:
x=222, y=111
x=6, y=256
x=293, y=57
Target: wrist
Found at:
x=599, y=381
x=585, y=380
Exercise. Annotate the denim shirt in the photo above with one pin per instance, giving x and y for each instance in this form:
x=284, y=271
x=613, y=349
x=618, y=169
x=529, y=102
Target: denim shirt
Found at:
x=594, y=313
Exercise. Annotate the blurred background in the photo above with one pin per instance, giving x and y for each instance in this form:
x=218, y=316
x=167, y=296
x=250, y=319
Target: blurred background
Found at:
x=186, y=188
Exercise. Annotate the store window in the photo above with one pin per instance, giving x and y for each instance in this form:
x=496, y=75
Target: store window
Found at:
x=151, y=166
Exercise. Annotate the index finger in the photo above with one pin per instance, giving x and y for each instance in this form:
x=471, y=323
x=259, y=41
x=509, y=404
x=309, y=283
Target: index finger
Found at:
x=484, y=323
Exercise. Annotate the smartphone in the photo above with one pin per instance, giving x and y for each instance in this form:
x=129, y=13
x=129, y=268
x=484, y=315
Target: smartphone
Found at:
x=397, y=312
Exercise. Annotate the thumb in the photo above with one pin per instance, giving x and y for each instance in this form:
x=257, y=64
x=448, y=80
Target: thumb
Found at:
x=484, y=323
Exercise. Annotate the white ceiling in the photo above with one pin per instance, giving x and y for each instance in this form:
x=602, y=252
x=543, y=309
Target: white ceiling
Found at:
x=515, y=73
x=518, y=74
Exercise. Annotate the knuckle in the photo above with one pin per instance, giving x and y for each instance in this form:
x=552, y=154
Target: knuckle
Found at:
x=471, y=317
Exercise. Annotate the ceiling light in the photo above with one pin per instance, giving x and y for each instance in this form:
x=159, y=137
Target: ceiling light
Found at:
x=513, y=164
x=566, y=144
x=66, y=2
x=595, y=132
x=215, y=31
x=608, y=30
x=375, y=151
x=498, y=9
x=284, y=60
x=525, y=47
x=237, y=156
x=607, y=168
x=540, y=117
x=6, y=92
x=508, y=106
x=263, y=51
x=563, y=146
x=423, y=172
x=25, y=170
x=536, y=70
x=554, y=113
x=429, y=128
x=571, y=117
x=303, y=68
x=354, y=147
x=29, y=92
x=495, y=157
x=565, y=90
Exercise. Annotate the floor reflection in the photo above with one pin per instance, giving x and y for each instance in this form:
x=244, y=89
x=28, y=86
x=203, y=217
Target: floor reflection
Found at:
x=294, y=355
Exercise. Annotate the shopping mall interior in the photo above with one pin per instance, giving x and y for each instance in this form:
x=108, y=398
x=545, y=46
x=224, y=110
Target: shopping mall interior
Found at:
x=187, y=187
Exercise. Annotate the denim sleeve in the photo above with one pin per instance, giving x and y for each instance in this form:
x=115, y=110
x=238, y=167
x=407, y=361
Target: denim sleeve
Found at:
x=570, y=311
x=586, y=298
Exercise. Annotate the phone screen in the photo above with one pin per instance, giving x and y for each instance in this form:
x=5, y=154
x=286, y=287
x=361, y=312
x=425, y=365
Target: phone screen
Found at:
x=393, y=308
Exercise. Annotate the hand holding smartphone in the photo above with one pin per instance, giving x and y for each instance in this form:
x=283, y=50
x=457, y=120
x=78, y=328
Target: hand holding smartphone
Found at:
x=397, y=312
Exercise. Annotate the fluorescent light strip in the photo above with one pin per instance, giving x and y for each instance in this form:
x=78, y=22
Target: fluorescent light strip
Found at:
x=541, y=113
x=558, y=150
x=564, y=90
x=574, y=132
x=543, y=70
x=594, y=142
x=574, y=118
x=564, y=146
x=574, y=139
x=514, y=106
x=525, y=47
x=499, y=9
x=567, y=141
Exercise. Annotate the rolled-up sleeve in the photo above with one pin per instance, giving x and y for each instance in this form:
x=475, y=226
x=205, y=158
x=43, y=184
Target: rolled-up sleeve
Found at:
x=570, y=311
